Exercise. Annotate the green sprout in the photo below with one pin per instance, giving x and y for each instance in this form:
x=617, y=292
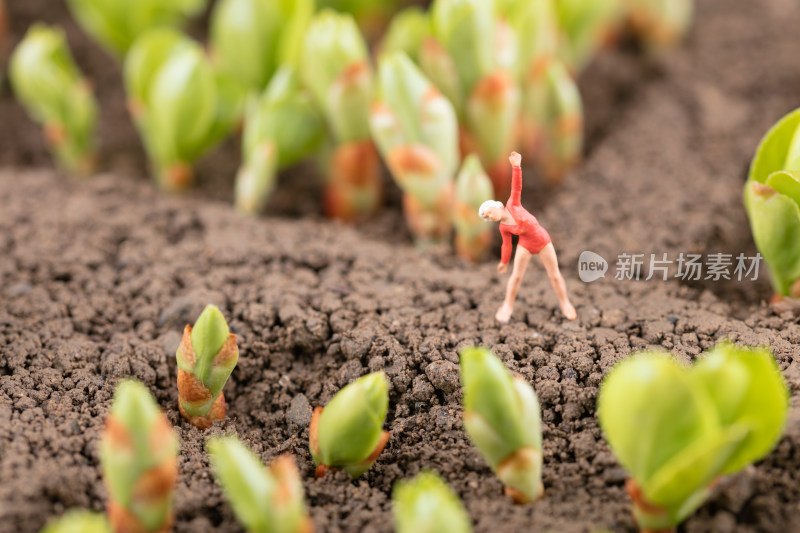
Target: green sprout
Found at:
x=407, y=32
x=265, y=500
x=206, y=357
x=117, y=24
x=473, y=187
x=553, y=114
x=271, y=32
x=677, y=429
x=139, y=456
x=660, y=23
x=281, y=127
x=772, y=199
x=372, y=16
x=77, y=521
x=587, y=25
x=180, y=105
x=551, y=125
x=336, y=69
x=503, y=419
x=473, y=58
x=426, y=504
x=416, y=131
x=49, y=85
x=348, y=433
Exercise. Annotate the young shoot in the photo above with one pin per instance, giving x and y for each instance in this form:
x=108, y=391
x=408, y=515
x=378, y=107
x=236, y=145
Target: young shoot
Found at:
x=372, y=17
x=180, y=105
x=348, y=433
x=53, y=91
x=281, y=128
x=416, y=130
x=206, y=357
x=677, y=430
x=473, y=57
x=139, y=456
x=117, y=24
x=503, y=419
x=265, y=500
x=553, y=117
x=587, y=26
x=271, y=32
x=335, y=67
x=772, y=200
x=77, y=521
x=406, y=33
x=426, y=504
x=473, y=187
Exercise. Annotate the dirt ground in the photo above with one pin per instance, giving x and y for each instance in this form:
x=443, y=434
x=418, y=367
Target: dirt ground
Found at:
x=98, y=278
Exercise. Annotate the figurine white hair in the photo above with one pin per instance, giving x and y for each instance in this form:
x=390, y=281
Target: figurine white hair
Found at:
x=489, y=204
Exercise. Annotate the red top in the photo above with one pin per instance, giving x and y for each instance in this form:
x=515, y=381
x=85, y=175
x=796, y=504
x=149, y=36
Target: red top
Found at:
x=532, y=236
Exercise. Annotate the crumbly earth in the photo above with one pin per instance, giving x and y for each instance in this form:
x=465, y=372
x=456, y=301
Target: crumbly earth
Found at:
x=98, y=278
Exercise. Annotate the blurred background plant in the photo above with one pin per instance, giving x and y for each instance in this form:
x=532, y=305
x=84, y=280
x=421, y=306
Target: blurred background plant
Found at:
x=281, y=128
x=337, y=71
x=180, y=104
x=416, y=130
x=117, y=24
x=265, y=500
x=298, y=77
x=251, y=39
x=49, y=85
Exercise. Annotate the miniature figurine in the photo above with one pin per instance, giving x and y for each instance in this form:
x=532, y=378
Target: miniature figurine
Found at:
x=533, y=239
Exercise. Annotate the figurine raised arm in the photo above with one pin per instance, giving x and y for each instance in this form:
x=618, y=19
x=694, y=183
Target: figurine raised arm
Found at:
x=533, y=239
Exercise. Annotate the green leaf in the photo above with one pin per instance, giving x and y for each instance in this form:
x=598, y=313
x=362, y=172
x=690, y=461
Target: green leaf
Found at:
x=786, y=183
x=116, y=25
x=650, y=411
x=78, y=521
x=749, y=391
x=351, y=424
x=775, y=222
x=146, y=58
x=426, y=504
x=773, y=153
x=536, y=27
x=406, y=33
x=493, y=399
x=473, y=186
x=209, y=334
x=270, y=30
x=49, y=85
x=693, y=468
x=466, y=29
x=247, y=484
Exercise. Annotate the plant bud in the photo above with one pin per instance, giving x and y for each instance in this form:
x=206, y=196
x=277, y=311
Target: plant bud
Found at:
x=138, y=453
x=426, y=504
x=49, y=85
x=265, y=500
x=206, y=357
x=271, y=31
x=473, y=187
x=348, y=433
x=772, y=200
x=503, y=419
x=117, y=24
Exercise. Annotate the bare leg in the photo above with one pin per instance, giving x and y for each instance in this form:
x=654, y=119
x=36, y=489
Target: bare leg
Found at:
x=521, y=260
x=550, y=262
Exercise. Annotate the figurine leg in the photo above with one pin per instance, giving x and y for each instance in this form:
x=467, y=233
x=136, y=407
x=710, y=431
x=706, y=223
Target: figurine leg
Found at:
x=521, y=260
x=550, y=262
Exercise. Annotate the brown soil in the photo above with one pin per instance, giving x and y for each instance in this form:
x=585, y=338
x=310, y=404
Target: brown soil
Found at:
x=97, y=280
